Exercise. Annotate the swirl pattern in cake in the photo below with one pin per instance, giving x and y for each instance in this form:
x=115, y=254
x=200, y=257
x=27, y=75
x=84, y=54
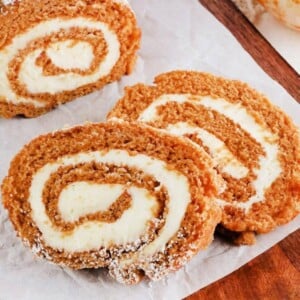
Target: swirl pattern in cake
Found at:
x=54, y=51
x=116, y=195
x=253, y=143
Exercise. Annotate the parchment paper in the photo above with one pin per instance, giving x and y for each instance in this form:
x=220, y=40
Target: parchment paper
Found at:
x=176, y=35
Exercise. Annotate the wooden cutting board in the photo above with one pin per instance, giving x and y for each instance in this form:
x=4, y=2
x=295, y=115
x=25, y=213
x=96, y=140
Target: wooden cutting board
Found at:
x=274, y=275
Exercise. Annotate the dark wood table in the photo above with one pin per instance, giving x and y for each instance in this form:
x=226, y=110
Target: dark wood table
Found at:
x=274, y=275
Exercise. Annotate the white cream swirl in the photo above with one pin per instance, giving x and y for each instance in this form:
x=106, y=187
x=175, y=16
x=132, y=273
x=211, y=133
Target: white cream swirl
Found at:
x=269, y=166
x=62, y=54
x=218, y=150
x=131, y=225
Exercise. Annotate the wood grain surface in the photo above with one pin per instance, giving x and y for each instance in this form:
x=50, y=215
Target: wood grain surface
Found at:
x=255, y=44
x=274, y=275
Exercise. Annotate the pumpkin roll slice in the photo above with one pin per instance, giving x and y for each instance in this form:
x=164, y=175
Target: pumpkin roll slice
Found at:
x=123, y=196
x=53, y=51
x=253, y=143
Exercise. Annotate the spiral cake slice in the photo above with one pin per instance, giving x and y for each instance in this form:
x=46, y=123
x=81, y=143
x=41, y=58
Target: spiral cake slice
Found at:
x=116, y=195
x=253, y=143
x=54, y=51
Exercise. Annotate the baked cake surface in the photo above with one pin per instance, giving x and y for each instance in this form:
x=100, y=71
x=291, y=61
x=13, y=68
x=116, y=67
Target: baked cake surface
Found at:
x=53, y=51
x=117, y=195
x=253, y=143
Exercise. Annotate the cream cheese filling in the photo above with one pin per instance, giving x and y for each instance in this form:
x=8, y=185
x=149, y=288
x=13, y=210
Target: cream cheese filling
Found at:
x=218, y=150
x=32, y=76
x=131, y=225
x=71, y=54
x=269, y=166
x=81, y=198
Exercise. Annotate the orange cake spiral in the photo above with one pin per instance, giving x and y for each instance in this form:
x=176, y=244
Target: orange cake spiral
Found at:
x=54, y=51
x=116, y=195
x=254, y=144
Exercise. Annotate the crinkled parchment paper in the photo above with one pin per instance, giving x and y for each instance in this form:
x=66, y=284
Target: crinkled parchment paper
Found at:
x=176, y=35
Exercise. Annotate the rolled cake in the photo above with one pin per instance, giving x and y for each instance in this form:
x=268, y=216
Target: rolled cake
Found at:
x=116, y=195
x=286, y=11
x=54, y=51
x=254, y=144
